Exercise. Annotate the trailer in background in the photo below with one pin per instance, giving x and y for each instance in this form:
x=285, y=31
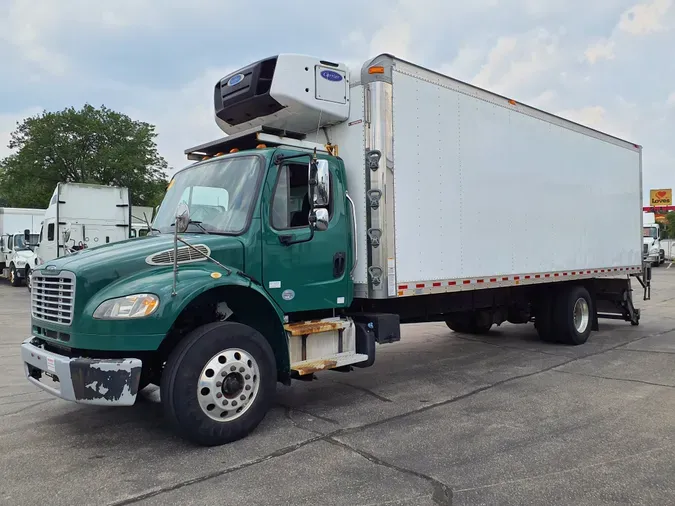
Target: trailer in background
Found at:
x=83, y=216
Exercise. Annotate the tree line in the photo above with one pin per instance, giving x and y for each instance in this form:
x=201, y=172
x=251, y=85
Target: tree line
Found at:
x=89, y=145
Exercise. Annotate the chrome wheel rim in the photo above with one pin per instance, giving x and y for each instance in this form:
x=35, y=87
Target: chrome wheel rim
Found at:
x=582, y=315
x=228, y=385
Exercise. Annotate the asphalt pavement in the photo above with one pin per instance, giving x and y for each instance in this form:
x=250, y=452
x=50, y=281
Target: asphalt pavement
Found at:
x=441, y=418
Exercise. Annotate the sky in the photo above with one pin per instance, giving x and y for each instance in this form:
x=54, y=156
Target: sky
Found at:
x=607, y=64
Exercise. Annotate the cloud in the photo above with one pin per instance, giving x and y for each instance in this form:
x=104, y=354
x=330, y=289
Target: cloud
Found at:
x=645, y=18
x=601, y=50
x=158, y=60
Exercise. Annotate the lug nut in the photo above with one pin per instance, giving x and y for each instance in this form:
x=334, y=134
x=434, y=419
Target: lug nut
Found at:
x=219, y=395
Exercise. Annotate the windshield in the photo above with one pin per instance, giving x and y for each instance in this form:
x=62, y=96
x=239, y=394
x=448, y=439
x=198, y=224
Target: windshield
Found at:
x=220, y=195
x=649, y=232
x=20, y=244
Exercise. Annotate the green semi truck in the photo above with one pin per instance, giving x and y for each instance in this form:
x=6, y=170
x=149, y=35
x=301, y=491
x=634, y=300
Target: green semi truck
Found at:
x=340, y=205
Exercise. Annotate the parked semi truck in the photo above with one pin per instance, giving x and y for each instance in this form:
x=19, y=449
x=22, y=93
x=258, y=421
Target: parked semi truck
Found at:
x=340, y=205
x=18, y=237
x=652, y=249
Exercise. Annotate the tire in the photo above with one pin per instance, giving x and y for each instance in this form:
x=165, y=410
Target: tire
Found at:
x=543, y=321
x=28, y=279
x=14, y=278
x=569, y=301
x=188, y=391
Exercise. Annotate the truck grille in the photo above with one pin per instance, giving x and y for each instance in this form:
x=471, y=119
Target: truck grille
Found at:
x=53, y=296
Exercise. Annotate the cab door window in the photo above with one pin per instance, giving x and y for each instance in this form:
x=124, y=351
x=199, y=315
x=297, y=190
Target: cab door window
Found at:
x=290, y=203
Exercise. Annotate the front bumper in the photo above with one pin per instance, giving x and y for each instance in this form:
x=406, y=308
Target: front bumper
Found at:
x=109, y=382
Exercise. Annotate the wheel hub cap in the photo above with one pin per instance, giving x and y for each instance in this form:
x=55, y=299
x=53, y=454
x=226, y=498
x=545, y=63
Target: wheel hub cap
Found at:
x=582, y=315
x=228, y=384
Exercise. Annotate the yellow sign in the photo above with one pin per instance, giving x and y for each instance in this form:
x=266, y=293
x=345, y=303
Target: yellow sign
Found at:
x=663, y=197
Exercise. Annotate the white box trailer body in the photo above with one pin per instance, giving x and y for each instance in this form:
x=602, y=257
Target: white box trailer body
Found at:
x=465, y=167
x=92, y=215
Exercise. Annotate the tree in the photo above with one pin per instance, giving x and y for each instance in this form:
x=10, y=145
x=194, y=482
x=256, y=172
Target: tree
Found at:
x=89, y=145
x=669, y=225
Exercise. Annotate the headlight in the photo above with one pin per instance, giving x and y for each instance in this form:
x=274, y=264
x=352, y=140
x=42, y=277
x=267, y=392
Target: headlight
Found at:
x=654, y=249
x=131, y=306
x=20, y=263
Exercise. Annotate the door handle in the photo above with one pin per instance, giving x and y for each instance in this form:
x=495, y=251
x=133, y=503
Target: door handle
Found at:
x=339, y=262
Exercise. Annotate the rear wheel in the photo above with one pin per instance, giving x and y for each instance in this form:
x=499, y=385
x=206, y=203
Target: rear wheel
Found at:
x=218, y=384
x=573, y=315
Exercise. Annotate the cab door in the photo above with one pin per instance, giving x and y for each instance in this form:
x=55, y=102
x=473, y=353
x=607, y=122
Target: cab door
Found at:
x=300, y=273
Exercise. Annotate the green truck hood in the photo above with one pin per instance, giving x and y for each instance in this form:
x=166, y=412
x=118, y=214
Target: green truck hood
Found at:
x=97, y=267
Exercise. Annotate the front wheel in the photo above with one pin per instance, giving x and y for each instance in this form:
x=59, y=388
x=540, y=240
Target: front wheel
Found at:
x=218, y=383
x=29, y=278
x=14, y=278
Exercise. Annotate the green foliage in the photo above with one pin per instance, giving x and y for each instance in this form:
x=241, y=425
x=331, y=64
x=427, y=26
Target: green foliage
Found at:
x=89, y=145
x=669, y=226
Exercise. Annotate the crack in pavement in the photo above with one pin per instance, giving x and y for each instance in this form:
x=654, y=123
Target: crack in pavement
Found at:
x=564, y=471
x=215, y=474
x=442, y=494
x=288, y=409
x=364, y=390
x=472, y=340
x=27, y=407
x=615, y=379
x=330, y=437
x=649, y=351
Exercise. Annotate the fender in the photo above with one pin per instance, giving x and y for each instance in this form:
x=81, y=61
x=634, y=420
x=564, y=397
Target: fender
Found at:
x=192, y=281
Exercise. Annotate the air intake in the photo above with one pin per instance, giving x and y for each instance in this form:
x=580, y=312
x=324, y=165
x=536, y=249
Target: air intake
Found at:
x=185, y=255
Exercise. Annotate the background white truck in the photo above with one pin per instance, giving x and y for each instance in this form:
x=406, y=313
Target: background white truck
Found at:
x=17, y=255
x=141, y=216
x=653, y=251
x=81, y=216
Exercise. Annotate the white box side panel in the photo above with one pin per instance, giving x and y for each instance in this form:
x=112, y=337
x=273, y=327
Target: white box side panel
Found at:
x=484, y=190
x=350, y=139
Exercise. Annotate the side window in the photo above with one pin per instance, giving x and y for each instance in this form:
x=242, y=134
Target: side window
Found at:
x=290, y=203
x=42, y=229
x=50, y=232
x=133, y=233
x=10, y=242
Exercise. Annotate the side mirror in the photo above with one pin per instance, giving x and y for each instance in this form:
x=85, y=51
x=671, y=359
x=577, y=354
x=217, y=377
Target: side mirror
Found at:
x=319, y=219
x=319, y=183
x=66, y=235
x=182, y=217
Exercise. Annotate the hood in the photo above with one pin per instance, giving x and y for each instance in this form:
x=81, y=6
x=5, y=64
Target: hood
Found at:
x=99, y=266
x=24, y=254
x=648, y=240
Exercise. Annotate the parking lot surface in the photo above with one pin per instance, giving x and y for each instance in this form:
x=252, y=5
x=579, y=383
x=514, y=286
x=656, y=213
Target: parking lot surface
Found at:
x=441, y=418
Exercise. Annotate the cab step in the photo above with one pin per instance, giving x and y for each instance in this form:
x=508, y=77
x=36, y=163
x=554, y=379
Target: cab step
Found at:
x=320, y=345
x=331, y=362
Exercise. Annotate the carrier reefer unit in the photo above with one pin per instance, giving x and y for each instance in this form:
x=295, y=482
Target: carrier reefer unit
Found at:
x=342, y=204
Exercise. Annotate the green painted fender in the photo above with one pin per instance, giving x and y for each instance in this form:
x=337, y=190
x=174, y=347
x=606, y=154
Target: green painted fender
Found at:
x=193, y=280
